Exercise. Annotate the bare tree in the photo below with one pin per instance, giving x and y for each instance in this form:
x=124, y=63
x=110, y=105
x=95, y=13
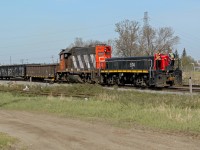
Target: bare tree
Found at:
x=79, y=42
x=147, y=40
x=112, y=44
x=127, y=43
x=151, y=40
x=165, y=39
x=134, y=41
x=92, y=42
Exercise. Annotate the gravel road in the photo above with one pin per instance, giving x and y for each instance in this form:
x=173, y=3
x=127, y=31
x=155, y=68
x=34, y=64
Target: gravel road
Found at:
x=45, y=132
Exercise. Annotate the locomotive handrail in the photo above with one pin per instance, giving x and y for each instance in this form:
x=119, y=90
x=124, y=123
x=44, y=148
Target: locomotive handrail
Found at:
x=129, y=60
x=151, y=64
x=150, y=68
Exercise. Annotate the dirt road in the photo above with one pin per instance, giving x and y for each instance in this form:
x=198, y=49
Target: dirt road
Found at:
x=45, y=132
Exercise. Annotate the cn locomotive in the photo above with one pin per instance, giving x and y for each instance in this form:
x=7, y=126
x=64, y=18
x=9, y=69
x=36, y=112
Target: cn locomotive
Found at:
x=94, y=64
x=83, y=64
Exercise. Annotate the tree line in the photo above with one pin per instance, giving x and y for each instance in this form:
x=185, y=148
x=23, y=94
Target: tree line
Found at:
x=136, y=40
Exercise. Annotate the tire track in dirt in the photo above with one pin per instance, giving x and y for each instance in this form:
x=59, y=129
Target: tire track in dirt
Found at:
x=46, y=132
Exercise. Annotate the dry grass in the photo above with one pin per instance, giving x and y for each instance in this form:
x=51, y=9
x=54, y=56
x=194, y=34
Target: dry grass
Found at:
x=194, y=75
x=166, y=112
x=6, y=141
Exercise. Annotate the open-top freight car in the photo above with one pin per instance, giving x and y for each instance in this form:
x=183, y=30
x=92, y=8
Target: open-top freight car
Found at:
x=27, y=71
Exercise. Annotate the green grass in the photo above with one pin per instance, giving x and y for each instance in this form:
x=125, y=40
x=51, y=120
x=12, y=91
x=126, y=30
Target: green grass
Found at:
x=120, y=108
x=6, y=141
x=195, y=75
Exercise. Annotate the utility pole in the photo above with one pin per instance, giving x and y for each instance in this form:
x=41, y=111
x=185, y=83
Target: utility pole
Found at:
x=22, y=61
x=26, y=61
x=10, y=60
x=147, y=31
x=146, y=20
x=52, y=57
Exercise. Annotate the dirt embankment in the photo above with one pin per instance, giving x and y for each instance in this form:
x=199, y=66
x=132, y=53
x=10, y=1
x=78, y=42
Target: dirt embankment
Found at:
x=45, y=132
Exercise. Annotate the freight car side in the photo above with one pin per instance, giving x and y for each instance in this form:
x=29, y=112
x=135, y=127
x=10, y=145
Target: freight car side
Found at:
x=12, y=71
x=41, y=71
x=27, y=71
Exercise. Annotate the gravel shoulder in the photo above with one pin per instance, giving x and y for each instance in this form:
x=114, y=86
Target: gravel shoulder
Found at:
x=46, y=132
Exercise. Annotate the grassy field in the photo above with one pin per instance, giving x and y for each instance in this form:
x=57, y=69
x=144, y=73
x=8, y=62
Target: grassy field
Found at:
x=176, y=113
x=6, y=141
x=194, y=75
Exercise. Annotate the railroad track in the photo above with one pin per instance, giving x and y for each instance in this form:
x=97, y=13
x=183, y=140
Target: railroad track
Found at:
x=184, y=88
x=195, y=89
x=53, y=94
x=195, y=85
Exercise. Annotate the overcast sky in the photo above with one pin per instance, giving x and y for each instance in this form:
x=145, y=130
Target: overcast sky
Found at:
x=35, y=30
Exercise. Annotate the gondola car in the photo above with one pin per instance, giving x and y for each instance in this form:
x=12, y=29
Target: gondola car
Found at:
x=27, y=71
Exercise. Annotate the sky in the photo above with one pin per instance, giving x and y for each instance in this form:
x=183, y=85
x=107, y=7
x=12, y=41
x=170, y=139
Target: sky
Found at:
x=34, y=31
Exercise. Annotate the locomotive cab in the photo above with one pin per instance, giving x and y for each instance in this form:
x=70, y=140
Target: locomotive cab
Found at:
x=166, y=71
x=102, y=53
x=63, y=60
x=162, y=63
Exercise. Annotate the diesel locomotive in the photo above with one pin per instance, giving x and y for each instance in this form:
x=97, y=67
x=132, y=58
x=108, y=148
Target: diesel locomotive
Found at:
x=83, y=64
x=94, y=64
x=143, y=71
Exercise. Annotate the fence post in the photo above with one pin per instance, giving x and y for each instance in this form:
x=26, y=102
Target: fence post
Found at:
x=190, y=85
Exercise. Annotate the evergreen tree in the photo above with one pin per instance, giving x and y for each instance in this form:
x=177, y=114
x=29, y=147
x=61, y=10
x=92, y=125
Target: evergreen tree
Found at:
x=186, y=61
x=176, y=54
x=184, y=54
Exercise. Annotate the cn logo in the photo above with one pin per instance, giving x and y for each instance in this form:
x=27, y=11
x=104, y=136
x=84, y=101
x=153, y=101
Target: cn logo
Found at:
x=102, y=59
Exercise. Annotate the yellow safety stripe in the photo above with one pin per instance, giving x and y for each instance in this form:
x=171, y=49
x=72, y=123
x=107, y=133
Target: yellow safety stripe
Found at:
x=41, y=76
x=124, y=71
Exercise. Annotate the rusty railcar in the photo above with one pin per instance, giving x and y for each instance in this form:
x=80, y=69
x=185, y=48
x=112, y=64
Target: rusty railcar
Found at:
x=12, y=71
x=41, y=71
x=27, y=71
